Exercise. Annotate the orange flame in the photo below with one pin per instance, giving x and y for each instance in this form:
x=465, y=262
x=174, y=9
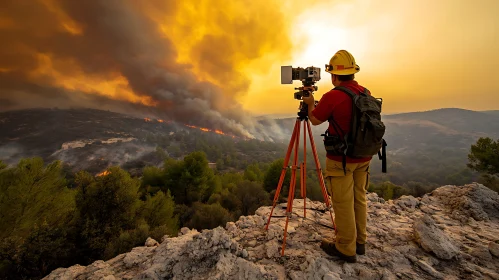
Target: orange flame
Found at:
x=103, y=173
x=217, y=131
x=161, y=121
x=147, y=119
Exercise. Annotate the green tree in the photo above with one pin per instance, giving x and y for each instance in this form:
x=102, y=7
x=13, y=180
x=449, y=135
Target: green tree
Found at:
x=313, y=191
x=127, y=240
x=106, y=206
x=387, y=190
x=189, y=180
x=208, y=216
x=220, y=164
x=152, y=180
x=172, y=171
x=231, y=179
x=32, y=193
x=418, y=189
x=484, y=156
x=271, y=178
x=158, y=210
x=491, y=181
x=251, y=196
x=45, y=249
x=253, y=173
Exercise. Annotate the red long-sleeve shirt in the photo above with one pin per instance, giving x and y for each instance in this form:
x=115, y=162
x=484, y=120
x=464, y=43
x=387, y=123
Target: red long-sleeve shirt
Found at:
x=338, y=104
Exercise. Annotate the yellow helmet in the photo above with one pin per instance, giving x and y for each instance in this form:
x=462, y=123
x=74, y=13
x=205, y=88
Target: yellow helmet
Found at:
x=342, y=63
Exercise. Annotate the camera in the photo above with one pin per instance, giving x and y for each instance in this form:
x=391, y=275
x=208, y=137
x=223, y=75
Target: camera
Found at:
x=308, y=76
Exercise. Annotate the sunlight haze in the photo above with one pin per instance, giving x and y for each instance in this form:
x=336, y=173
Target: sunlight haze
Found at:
x=417, y=55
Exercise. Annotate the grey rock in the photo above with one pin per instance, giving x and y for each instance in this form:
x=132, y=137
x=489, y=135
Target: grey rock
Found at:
x=373, y=197
x=231, y=227
x=388, y=275
x=432, y=239
x=272, y=249
x=482, y=253
x=429, y=269
x=494, y=248
x=164, y=238
x=185, y=230
x=408, y=203
x=151, y=242
x=137, y=256
x=244, y=253
x=332, y=276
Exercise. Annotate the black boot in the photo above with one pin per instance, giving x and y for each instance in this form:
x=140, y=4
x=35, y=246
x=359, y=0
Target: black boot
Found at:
x=331, y=250
x=360, y=249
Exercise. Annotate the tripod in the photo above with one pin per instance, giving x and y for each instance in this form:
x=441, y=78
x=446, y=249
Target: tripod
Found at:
x=295, y=141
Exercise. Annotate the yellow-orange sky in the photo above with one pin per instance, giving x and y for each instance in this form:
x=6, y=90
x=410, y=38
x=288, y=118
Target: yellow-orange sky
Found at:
x=417, y=55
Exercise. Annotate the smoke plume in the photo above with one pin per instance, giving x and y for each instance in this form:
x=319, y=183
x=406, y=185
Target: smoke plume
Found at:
x=180, y=61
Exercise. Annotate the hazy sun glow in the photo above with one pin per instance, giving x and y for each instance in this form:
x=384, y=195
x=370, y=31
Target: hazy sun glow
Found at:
x=415, y=58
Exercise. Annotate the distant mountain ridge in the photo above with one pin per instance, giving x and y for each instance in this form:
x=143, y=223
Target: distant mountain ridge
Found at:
x=457, y=119
x=492, y=112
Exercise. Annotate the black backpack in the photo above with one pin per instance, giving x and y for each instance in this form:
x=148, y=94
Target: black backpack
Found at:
x=365, y=138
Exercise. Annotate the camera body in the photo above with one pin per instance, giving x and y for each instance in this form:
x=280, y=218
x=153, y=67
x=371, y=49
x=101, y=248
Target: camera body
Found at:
x=309, y=74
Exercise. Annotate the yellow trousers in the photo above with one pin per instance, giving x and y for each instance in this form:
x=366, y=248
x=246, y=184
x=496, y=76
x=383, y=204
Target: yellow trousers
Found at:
x=348, y=193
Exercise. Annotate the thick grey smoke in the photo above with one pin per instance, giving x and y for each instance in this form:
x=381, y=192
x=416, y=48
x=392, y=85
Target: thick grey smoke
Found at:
x=114, y=38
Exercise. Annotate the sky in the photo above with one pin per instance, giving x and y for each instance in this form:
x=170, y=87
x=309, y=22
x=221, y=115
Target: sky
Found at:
x=217, y=63
x=416, y=55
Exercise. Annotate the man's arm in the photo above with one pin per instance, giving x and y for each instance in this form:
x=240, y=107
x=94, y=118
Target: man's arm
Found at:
x=322, y=112
x=311, y=116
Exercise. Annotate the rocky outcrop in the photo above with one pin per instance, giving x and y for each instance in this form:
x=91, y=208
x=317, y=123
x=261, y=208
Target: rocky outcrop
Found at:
x=451, y=233
x=432, y=239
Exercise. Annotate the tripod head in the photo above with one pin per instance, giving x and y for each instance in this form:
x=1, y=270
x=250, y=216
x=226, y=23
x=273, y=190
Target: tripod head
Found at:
x=303, y=110
x=308, y=88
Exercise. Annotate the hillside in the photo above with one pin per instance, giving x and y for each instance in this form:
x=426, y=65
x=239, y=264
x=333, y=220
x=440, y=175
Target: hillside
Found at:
x=492, y=112
x=453, y=121
x=94, y=139
x=448, y=234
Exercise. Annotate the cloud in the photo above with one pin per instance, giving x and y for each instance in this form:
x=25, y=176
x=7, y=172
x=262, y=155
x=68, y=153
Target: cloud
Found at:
x=122, y=55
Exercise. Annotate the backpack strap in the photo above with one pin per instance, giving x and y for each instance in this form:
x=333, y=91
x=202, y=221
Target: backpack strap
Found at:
x=353, y=124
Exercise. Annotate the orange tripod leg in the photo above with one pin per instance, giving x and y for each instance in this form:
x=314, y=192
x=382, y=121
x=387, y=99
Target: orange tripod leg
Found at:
x=284, y=169
x=319, y=173
x=304, y=171
x=291, y=195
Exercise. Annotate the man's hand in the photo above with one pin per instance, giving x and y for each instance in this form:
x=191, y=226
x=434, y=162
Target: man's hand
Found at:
x=309, y=100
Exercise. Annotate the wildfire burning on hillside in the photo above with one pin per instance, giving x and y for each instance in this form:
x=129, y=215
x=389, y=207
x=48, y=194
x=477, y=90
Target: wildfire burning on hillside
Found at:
x=136, y=57
x=217, y=131
x=103, y=173
x=205, y=129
